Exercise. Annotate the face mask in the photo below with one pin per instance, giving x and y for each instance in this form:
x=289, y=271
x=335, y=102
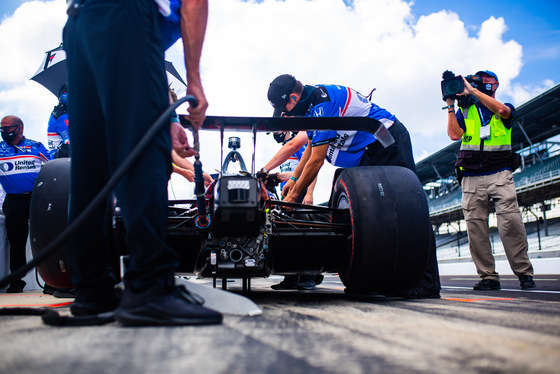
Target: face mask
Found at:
x=486, y=88
x=9, y=137
x=298, y=110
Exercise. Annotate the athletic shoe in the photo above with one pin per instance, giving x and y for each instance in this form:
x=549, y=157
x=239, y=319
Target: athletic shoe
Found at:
x=169, y=306
x=526, y=281
x=307, y=285
x=290, y=282
x=48, y=290
x=64, y=293
x=420, y=292
x=487, y=285
x=16, y=287
x=93, y=304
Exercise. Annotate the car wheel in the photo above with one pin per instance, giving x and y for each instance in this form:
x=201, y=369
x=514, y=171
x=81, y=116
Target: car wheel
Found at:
x=48, y=218
x=390, y=223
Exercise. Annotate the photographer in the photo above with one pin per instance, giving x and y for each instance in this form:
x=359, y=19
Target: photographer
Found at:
x=484, y=167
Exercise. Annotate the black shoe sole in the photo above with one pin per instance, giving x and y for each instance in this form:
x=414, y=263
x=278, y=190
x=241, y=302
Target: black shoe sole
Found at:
x=132, y=319
x=281, y=288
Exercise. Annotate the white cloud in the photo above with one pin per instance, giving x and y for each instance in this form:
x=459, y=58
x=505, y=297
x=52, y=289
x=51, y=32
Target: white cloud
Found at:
x=376, y=43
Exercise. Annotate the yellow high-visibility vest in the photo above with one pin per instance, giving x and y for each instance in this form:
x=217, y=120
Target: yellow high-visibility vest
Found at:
x=500, y=136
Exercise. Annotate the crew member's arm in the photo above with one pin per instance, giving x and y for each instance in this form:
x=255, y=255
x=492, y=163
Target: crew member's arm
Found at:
x=454, y=131
x=308, y=173
x=194, y=16
x=287, y=150
x=308, y=198
x=188, y=174
x=488, y=101
x=185, y=167
x=299, y=170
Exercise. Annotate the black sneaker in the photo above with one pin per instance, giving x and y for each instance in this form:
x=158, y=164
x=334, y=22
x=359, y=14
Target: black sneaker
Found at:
x=89, y=305
x=48, y=290
x=307, y=285
x=290, y=282
x=16, y=287
x=64, y=293
x=420, y=292
x=526, y=281
x=487, y=285
x=158, y=306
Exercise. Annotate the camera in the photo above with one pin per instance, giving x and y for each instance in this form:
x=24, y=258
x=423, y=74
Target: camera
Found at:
x=451, y=85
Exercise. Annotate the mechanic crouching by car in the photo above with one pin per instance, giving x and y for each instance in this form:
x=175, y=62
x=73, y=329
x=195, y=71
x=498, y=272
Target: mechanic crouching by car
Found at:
x=346, y=148
x=485, y=165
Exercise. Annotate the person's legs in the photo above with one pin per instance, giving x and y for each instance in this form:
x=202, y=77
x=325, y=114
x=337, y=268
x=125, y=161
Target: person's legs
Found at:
x=511, y=228
x=88, y=254
x=119, y=47
x=16, y=210
x=475, y=210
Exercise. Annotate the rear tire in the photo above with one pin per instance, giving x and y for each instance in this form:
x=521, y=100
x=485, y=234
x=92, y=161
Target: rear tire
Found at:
x=48, y=218
x=390, y=242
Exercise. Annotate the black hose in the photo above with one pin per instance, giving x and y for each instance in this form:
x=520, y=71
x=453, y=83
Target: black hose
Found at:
x=102, y=195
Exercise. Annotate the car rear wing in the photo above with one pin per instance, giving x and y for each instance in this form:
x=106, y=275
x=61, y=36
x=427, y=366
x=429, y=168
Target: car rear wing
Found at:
x=271, y=124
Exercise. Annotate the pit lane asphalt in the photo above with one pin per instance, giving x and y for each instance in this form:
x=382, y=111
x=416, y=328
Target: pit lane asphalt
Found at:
x=322, y=331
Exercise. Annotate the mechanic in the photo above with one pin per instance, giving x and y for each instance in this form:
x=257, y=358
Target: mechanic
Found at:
x=346, y=148
x=485, y=165
x=293, y=143
x=57, y=129
x=116, y=46
x=21, y=160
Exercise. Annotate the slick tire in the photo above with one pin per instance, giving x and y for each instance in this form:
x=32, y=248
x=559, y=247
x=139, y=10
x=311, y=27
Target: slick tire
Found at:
x=48, y=218
x=390, y=223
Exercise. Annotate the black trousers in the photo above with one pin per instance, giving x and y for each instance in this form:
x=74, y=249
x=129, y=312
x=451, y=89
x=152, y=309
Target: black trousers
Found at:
x=400, y=154
x=16, y=210
x=117, y=88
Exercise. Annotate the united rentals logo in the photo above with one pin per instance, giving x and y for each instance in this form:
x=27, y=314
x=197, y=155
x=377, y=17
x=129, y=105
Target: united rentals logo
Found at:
x=24, y=165
x=338, y=143
x=17, y=166
x=6, y=166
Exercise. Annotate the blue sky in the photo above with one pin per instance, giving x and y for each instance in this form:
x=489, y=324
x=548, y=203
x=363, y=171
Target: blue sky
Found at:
x=398, y=47
x=535, y=24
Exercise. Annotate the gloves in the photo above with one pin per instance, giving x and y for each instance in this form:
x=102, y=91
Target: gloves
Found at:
x=262, y=174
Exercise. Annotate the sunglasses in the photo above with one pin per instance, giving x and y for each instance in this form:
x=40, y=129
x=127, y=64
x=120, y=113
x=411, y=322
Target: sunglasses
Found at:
x=8, y=128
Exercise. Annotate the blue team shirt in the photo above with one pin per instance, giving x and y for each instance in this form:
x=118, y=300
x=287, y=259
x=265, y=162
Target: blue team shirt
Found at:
x=20, y=164
x=57, y=131
x=170, y=21
x=346, y=148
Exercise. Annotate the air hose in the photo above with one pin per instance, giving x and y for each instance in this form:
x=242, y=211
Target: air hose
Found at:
x=109, y=187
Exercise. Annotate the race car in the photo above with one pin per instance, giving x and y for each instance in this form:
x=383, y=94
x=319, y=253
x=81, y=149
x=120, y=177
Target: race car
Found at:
x=374, y=231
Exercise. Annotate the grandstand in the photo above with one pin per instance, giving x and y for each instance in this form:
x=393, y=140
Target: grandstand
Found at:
x=534, y=136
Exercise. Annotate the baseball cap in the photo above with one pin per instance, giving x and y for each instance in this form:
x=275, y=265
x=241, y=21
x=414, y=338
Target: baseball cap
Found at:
x=488, y=72
x=279, y=92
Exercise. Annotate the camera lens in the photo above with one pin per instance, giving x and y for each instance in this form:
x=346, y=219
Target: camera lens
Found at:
x=453, y=87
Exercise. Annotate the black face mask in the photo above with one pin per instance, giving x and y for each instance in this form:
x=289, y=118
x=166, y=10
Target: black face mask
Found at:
x=299, y=109
x=9, y=136
x=486, y=88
